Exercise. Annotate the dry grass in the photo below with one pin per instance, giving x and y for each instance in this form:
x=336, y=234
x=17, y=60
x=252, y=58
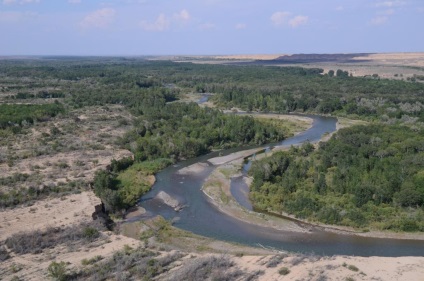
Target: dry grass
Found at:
x=63, y=151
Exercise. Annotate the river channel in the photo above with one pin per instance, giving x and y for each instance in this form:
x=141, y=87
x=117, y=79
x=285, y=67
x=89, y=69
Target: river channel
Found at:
x=201, y=217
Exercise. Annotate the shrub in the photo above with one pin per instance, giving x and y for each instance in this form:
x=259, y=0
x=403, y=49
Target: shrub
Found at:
x=284, y=271
x=4, y=255
x=93, y=260
x=353, y=268
x=275, y=260
x=57, y=271
x=208, y=268
x=36, y=241
x=90, y=233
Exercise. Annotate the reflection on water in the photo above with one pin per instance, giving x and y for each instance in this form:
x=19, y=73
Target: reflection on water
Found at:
x=201, y=217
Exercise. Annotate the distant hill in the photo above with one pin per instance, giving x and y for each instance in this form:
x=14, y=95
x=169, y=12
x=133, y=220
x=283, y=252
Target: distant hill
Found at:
x=313, y=58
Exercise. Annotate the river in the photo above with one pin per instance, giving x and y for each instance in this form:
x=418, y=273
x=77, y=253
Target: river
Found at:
x=203, y=218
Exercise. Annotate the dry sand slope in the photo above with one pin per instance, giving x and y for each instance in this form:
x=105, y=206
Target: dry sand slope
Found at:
x=338, y=268
x=59, y=212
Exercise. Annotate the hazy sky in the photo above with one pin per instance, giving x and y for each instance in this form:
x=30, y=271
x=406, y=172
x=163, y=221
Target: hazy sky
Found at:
x=154, y=27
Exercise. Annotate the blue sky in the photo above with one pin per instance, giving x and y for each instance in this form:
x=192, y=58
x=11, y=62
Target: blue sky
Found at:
x=209, y=27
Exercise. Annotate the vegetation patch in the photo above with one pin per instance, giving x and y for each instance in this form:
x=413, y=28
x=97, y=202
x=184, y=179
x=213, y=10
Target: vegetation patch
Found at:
x=284, y=271
x=208, y=268
x=275, y=260
x=35, y=242
x=18, y=115
x=364, y=176
x=27, y=195
x=137, y=263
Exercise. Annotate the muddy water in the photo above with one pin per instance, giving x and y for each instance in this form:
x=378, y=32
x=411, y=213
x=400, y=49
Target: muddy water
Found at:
x=203, y=218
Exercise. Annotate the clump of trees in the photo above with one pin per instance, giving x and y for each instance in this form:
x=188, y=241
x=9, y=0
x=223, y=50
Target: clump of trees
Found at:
x=18, y=115
x=124, y=182
x=165, y=133
x=40, y=95
x=180, y=131
x=364, y=176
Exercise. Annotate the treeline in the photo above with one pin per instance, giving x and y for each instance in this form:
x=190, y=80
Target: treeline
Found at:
x=39, y=95
x=101, y=81
x=341, y=95
x=180, y=131
x=18, y=115
x=364, y=176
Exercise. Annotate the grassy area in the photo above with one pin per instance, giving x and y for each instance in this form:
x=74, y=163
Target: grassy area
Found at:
x=290, y=125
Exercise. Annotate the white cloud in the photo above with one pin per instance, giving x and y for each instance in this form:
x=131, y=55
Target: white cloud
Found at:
x=240, y=26
x=183, y=16
x=98, y=19
x=74, y=1
x=162, y=23
x=383, y=15
x=284, y=18
x=298, y=20
x=339, y=8
x=380, y=20
x=279, y=18
x=390, y=4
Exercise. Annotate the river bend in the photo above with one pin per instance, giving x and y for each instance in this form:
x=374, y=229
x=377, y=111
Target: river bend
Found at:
x=203, y=218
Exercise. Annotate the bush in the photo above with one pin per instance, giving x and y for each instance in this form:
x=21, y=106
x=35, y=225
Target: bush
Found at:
x=90, y=233
x=352, y=267
x=57, y=271
x=275, y=260
x=284, y=271
x=207, y=268
x=4, y=254
x=36, y=241
x=93, y=260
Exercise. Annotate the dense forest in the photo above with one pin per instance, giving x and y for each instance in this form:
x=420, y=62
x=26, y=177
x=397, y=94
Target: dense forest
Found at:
x=102, y=81
x=364, y=176
x=265, y=89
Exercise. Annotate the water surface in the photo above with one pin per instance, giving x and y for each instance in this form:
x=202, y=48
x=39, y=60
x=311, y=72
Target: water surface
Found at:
x=203, y=218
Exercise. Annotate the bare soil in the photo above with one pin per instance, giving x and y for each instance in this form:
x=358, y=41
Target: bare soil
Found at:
x=83, y=143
